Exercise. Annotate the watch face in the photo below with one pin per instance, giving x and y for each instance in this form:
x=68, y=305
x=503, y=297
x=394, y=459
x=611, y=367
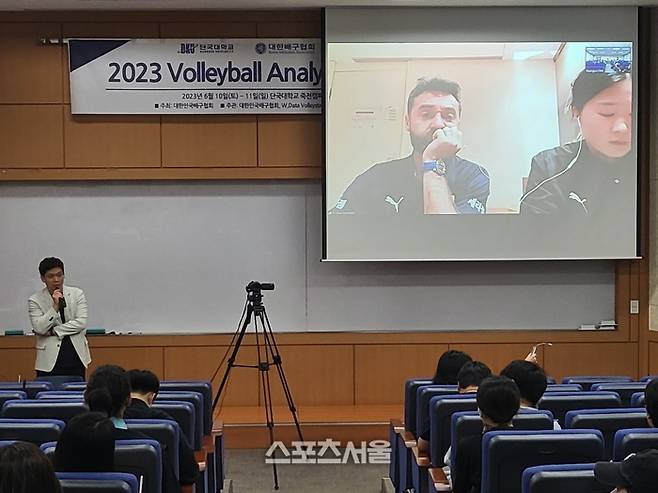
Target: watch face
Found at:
x=436, y=165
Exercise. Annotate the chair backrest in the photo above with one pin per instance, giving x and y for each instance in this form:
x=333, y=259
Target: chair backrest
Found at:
x=564, y=387
x=98, y=482
x=637, y=399
x=142, y=458
x=36, y=431
x=30, y=388
x=201, y=386
x=561, y=402
x=565, y=478
x=61, y=394
x=58, y=380
x=588, y=380
x=183, y=413
x=442, y=407
x=550, y=380
x=4, y=443
x=648, y=378
x=77, y=386
x=43, y=408
x=633, y=440
x=410, y=387
x=468, y=423
x=165, y=431
x=194, y=398
x=11, y=395
x=607, y=421
x=506, y=454
x=624, y=389
x=424, y=394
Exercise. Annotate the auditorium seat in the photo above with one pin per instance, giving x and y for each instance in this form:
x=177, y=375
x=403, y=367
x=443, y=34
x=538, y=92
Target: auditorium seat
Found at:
x=194, y=398
x=36, y=431
x=410, y=393
x=564, y=387
x=203, y=387
x=142, y=458
x=11, y=395
x=441, y=410
x=60, y=394
x=98, y=482
x=4, y=443
x=43, y=408
x=30, y=388
x=424, y=394
x=633, y=440
x=561, y=402
x=588, y=380
x=607, y=421
x=550, y=380
x=506, y=454
x=165, y=431
x=183, y=413
x=624, y=389
x=648, y=378
x=58, y=381
x=562, y=478
x=637, y=399
x=76, y=386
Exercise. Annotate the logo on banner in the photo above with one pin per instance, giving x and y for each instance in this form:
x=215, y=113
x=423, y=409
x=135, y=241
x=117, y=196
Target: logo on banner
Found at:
x=261, y=48
x=187, y=48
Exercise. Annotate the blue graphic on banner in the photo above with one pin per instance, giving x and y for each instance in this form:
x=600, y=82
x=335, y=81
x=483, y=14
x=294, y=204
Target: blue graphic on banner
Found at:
x=83, y=51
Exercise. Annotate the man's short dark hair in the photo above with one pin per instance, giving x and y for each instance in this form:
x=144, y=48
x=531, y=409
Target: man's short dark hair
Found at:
x=529, y=377
x=651, y=400
x=448, y=366
x=50, y=263
x=472, y=374
x=144, y=381
x=434, y=85
x=498, y=399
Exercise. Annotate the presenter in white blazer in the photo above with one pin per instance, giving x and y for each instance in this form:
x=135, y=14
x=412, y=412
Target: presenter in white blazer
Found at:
x=59, y=319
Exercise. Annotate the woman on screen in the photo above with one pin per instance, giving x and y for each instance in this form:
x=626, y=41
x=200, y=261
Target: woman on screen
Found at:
x=594, y=175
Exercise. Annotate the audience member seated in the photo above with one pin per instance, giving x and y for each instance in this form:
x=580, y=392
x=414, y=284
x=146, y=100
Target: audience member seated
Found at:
x=144, y=388
x=26, y=469
x=108, y=391
x=498, y=400
x=86, y=444
x=468, y=380
x=530, y=378
x=651, y=402
x=638, y=473
x=448, y=366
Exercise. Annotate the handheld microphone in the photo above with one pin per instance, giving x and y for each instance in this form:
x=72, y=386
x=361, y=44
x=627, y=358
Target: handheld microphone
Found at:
x=62, y=300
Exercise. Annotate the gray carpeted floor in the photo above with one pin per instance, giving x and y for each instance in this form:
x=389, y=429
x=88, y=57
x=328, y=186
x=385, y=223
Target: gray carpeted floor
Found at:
x=249, y=473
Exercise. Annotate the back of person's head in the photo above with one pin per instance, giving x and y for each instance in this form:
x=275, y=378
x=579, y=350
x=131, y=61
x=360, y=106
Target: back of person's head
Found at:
x=50, y=263
x=448, y=366
x=86, y=444
x=651, y=401
x=472, y=374
x=108, y=390
x=498, y=400
x=144, y=381
x=24, y=468
x=529, y=377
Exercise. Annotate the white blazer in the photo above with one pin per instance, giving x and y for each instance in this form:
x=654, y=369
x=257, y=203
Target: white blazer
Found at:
x=44, y=318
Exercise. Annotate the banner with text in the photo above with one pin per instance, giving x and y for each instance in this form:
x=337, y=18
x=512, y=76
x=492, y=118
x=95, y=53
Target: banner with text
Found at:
x=162, y=76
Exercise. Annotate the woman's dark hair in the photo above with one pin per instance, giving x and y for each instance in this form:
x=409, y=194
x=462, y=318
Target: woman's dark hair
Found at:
x=448, y=366
x=651, y=400
x=24, y=468
x=472, y=374
x=86, y=444
x=108, y=390
x=589, y=84
x=498, y=399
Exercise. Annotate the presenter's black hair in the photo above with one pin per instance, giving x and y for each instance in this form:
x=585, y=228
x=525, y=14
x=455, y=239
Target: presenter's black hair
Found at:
x=108, y=390
x=86, y=444
x=498, y=399
x=144, y=381
x=50, y=263
x=651, y=400
x=472, y=374
x=434, y=85
x=448, y=366
x=589, y=84
x=24, y=468
x=529, y=377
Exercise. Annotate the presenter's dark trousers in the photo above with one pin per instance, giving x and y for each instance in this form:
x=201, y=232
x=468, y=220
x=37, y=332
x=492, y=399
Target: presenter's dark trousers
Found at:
x=68, y=362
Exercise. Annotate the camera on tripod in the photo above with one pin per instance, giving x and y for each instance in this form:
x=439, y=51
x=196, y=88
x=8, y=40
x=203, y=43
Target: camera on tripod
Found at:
x=254, y=289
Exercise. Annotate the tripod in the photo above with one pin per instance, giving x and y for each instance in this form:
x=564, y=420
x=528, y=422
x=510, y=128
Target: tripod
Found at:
x=268, y=356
